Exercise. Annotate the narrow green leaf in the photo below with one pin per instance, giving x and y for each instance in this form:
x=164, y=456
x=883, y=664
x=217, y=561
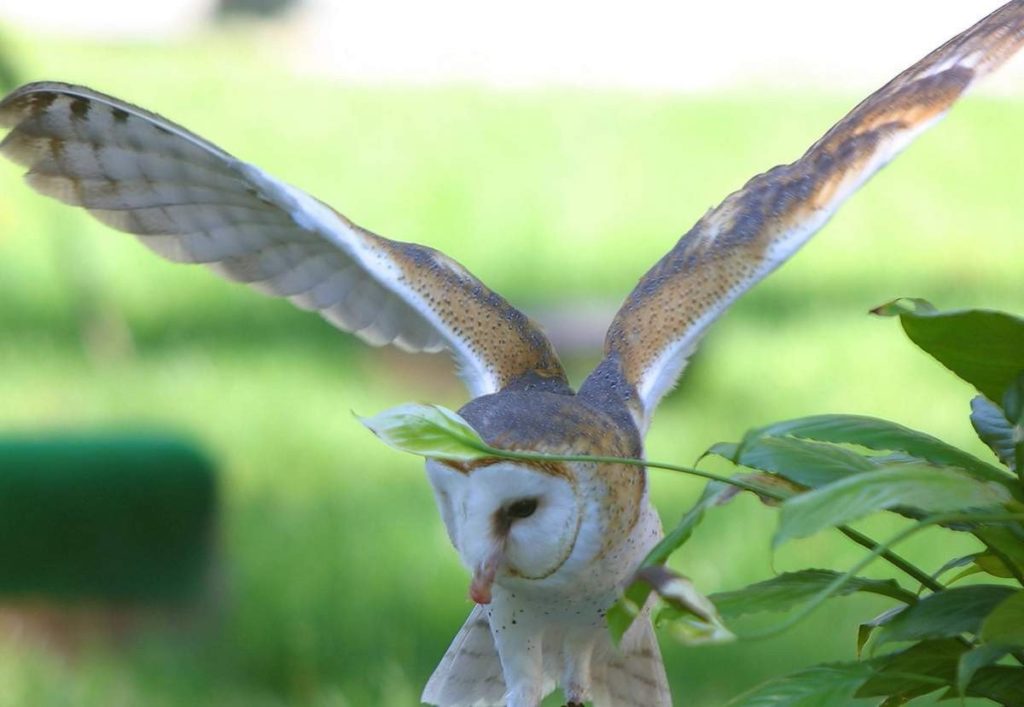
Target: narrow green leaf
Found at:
x=805, y=462
x=831, y=685
x=787, y=590
x=923, y=487
x=994, y=429
x=969, y=572
x=714, y=493
x=429, y=431
x=1013, y=406
x=1013, y=399
x=993, y=565
x=944, y=614
x=954, y=563
x=880, y=435
x=973, y=660
x=986, y=562
x=1005, y=625
x=983, y=347
x=691, y=630
x=905, y=305
x=689, y=616
x=620, y=616
x=623, y=612
x=1001, y=684
x=865, y=630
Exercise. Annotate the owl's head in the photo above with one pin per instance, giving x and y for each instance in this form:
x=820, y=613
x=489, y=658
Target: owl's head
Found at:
x=524, y=522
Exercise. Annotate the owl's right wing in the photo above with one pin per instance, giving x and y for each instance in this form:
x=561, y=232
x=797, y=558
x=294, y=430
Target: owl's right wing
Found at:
x=190, y=201
x=759, y=227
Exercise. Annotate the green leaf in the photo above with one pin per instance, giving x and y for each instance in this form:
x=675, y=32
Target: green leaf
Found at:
x=429, y=431
x=821, y=686
x=1013, y=400
x=620, y=616
x=714, y=493
x=690, y=617
x=918, y=670
x=904, y=305
x=865, y=630
x=973, y=660
x=993, y=565
x=808, y=463
x=993, y=428
x=792, y=588
x=880, y=435
x=999, y=683
x=963, y=574
x=1013, y=405
x=1005, y=625
x=923, y=487
x=944, y=614
x=986, y=562
x=954, y=563
x=983, y=347
x=623, y=612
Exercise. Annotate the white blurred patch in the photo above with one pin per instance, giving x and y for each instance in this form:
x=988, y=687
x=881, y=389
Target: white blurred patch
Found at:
x=655, y=45
x=108, y=19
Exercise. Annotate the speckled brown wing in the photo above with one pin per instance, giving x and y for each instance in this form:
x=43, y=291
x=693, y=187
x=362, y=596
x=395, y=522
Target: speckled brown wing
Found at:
x=191, y=202
x=760, y=226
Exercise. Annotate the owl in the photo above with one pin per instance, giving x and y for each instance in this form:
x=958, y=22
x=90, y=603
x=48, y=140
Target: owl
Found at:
x=549, y=545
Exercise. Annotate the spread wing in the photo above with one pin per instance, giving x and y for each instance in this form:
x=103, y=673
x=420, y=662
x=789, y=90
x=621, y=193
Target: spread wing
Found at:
x=191, y=202
x=762, y=225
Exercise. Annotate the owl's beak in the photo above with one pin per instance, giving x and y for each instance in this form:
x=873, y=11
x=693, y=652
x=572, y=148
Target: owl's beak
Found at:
x=483, y=575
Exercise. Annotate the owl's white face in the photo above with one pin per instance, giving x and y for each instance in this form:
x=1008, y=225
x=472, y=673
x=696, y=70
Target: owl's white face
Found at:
x=507, y=520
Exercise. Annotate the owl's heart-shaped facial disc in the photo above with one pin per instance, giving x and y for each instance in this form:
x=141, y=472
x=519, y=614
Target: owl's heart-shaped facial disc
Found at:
x=508, y=519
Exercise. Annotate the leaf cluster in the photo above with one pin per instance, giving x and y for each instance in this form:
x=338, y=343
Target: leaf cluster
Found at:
x=940, y=635
x=826, y=472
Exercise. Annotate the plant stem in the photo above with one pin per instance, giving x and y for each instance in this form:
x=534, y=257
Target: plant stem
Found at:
x=824, y=594
x=540, y=456
x=892, y=558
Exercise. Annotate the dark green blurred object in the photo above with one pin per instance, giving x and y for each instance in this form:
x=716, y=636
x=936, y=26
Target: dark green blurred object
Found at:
x=253, y=8
x=114, y=518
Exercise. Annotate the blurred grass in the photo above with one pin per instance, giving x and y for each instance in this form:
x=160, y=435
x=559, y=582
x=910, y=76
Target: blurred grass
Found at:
x=340, y=587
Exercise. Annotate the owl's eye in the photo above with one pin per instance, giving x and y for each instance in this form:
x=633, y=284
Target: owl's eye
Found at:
x=523, y=508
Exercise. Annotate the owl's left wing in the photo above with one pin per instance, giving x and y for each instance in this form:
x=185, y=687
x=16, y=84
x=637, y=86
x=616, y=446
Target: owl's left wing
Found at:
x=190, y=201
x=762, y=225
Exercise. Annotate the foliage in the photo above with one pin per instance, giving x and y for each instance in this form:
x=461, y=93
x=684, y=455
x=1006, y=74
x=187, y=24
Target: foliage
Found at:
x=963, y=640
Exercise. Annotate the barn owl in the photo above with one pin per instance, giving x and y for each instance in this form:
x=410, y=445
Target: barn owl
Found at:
x=549, y=545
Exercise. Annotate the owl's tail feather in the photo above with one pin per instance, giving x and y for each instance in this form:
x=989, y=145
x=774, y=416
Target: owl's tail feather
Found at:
x=470, y=672
x=634, y=676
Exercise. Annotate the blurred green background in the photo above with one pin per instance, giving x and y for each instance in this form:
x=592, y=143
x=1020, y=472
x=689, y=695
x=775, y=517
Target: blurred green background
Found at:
x=336, y=584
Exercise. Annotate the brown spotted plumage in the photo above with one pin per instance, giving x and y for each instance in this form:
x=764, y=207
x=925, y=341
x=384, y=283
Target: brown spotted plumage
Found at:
x=550, y=546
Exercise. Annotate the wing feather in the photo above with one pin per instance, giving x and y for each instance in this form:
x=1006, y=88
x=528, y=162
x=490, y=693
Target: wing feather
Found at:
x=470, y=673
x=191, y=202
x=634, y=675
x=762, y=225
